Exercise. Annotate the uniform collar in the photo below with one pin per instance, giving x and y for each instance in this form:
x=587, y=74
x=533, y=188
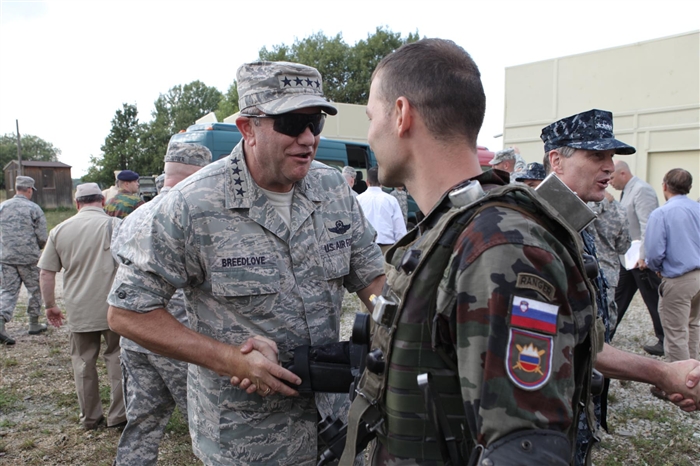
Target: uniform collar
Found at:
x=242, y=192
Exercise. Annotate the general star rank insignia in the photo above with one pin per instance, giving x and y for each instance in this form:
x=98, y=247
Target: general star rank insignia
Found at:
x=529, y=359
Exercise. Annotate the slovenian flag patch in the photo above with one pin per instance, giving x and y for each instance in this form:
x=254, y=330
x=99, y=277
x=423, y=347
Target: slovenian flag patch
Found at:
x=534, y=315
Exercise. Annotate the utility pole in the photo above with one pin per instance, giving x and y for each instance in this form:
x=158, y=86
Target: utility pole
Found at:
x=19, y=150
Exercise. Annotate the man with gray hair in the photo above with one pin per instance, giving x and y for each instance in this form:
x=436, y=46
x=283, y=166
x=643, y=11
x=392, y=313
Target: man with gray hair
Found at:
x=22, y=236
x=350, y=174
x=154, y=384
x=264, y=244
x=80, y=246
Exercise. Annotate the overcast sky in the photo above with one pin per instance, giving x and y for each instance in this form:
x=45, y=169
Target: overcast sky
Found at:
x=67, y=66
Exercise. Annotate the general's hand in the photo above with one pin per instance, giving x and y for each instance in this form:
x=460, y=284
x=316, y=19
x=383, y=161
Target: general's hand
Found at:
x=54, y=316
x=266, y=376
x=682, y=384
x=269, y=349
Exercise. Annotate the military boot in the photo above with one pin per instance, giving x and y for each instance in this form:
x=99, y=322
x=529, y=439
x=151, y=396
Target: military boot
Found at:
x=35, y=328
x=4, y=337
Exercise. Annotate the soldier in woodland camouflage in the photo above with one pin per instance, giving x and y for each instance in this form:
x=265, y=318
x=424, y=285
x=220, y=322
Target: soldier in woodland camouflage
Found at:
x=154, y=384
x=127, y=199
x=498, y=320
x=264, y=244
x=22, y=236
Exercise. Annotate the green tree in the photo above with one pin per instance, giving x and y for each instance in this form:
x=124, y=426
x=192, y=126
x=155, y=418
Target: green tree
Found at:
x=174, y=111
x=33, y=148
x=229, y=103
x=121, y=149
x=346, y=69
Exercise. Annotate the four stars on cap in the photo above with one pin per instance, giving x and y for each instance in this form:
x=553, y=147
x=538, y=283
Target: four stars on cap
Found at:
x=300, y=82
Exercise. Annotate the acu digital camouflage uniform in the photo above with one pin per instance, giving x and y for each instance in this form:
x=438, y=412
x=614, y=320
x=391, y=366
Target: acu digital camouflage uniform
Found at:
x=495, y=375
x=244, y=273
x=123, y=204
x=153, y=384
x=22, y=236
x=402, y=196
x=612, y=238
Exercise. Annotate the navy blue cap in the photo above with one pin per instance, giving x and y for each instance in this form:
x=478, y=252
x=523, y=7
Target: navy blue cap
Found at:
x=533, y=171
x=127, y=175
x=591, y=130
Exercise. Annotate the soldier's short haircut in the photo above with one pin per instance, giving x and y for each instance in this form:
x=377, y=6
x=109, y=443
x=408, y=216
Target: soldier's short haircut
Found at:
x=373, y=176
x=349, y=172
x=22, y=189
x=441, y=81
x=91, y=199
x=678, y=181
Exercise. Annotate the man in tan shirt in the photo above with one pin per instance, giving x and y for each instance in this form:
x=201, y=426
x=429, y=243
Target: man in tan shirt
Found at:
x=80, y=246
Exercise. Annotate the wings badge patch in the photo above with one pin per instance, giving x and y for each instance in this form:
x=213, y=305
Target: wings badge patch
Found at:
x=530, y=314
x=529, y=359
x=339, y=227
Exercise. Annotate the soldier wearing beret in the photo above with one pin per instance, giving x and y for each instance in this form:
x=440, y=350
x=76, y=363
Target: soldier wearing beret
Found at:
x=264, y=244
x=22, y=236
x=154, y=384
x=128, y=199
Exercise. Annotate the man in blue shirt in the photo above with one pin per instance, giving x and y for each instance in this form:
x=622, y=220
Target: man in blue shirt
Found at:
x=673, y=251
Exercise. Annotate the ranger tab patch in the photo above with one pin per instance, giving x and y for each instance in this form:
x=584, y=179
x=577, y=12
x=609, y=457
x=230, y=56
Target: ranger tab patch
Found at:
x=529, y=359
x=531, y=314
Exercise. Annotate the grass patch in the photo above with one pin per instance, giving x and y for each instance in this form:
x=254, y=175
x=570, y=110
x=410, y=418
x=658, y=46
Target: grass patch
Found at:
x=38, y=374
x=5, y=423
x=7, y=399
x=28, y=444
x=177, y=424
x=9, y=362
x=56, y=216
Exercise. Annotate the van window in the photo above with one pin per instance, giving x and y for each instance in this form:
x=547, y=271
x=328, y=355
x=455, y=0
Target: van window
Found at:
x=357, y=156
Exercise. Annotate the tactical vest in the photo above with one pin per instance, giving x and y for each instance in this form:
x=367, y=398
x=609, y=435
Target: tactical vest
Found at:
x=389, y=402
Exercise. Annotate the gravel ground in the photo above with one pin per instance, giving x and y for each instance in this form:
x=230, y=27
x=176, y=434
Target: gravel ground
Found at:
x=38, y=409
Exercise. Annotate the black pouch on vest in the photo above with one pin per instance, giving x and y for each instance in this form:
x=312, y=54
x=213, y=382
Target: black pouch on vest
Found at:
x=323, y=368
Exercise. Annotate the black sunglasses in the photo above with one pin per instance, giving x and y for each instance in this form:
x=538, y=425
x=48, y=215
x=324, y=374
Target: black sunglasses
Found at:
x=293, y=124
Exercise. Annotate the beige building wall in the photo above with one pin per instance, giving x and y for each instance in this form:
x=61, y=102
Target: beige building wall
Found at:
x=652, y=88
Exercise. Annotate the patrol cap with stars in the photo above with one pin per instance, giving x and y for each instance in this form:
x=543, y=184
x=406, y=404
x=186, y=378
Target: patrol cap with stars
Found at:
x=25, y=182
x=127, y=175
x=280, y=87
x=591, y=130
x=188, y=153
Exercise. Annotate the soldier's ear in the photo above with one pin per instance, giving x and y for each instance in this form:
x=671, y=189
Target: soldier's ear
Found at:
x=403, y=114
x=556, y=161
x=245, y=126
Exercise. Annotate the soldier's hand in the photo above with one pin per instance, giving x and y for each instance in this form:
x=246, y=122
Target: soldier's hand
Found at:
x=262, y=344
x=54, y=316
x=683, y=384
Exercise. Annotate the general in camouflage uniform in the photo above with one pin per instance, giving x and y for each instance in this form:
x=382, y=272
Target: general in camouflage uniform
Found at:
x=250, y=268
x=128, y=199
x=487, y=294
x=154, y=384
x=22, y=236
x=612, y=238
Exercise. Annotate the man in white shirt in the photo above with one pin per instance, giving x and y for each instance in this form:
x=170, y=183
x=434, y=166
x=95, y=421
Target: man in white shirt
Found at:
x=383, y=211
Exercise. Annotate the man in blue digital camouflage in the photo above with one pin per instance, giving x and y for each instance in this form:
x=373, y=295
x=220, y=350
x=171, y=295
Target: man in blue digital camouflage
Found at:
x=264, y=244
x=579, y=149
x=486, y=333
x=154, y=384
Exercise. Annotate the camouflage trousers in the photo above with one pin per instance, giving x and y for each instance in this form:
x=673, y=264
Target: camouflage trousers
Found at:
x=153, y=386
x=11, y=279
